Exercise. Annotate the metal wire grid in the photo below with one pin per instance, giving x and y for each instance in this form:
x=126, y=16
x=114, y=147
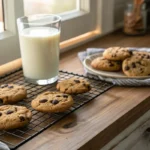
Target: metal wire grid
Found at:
x=41, y=121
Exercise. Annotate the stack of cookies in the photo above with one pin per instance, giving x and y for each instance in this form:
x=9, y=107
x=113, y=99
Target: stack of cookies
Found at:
x=132, y=63
x=13, y=116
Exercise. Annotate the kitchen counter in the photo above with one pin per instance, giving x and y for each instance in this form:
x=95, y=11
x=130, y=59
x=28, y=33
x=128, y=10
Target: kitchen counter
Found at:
x=98, y=122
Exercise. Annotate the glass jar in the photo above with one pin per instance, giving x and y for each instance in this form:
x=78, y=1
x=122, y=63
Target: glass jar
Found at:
x=134, y=20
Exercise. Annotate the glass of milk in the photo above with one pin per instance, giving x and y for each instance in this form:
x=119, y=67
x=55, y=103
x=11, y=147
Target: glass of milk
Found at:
x=39, y=43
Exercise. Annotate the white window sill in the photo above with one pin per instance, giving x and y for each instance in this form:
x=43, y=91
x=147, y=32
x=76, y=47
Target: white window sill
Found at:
x=72, y=14
x=6, y=34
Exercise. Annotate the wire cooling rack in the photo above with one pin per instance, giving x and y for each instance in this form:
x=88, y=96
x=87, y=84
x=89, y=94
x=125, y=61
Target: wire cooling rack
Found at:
x=41, y=121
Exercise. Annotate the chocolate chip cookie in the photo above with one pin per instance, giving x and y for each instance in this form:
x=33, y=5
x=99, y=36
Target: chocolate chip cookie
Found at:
x=52, y=102
x=134, y=66
x=139, y=54
x=11, y=93
x=117, y=53
x=12, y=117
x=104, y=64
x=73, y=86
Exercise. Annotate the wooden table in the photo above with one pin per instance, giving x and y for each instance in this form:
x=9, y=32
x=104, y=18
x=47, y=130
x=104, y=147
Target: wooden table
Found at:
x=98, y=122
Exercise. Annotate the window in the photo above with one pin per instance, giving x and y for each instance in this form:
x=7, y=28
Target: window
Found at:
x=78, y=17
x=49, y=6
x=1, y=17
x=75, y=14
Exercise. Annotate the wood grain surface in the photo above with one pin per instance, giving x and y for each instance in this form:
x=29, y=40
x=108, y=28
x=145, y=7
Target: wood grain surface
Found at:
x=95, y=124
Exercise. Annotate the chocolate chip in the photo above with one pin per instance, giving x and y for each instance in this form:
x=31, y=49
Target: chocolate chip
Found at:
x=89, y=87
x=127, y=68
x=1, y=100
x=43, y=101
x=54, y=102
x=58, y=95
x=0, y=114
x=141, y=69
x=65, y=90
x=113, y=55
x=65, y=96
x=139, y=62
x=28, y=118
x=84, y=85
x=9, y=112
x=130, y=52
x=111, y=65
x=118, y=62
x=133, y=65
x=4, y=85
x=10, y=86
x=77, y=81
x=148, y=57
x=148, y=130
x=21, y=118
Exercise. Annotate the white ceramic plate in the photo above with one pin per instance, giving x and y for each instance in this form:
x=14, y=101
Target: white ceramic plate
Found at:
x=87, y=65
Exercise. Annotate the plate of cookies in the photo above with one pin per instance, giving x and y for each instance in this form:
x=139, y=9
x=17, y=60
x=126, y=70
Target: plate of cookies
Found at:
x=119, y=62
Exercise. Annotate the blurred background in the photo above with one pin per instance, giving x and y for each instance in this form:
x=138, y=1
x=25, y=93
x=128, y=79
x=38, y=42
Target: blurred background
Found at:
x=48, y=6
x=43, y=6
x=120, y=8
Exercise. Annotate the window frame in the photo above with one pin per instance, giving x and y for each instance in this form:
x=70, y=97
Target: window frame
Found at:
x=72, y=24
x=9, y=45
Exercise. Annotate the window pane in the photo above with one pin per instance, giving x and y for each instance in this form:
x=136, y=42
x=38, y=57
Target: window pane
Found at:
x=49, y=6
x=1, y=17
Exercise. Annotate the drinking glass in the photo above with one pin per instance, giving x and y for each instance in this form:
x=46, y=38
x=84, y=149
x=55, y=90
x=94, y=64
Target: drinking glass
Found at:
x=39, y=37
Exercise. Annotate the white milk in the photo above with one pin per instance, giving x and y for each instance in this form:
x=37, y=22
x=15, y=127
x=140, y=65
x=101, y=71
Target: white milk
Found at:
x=40, y=52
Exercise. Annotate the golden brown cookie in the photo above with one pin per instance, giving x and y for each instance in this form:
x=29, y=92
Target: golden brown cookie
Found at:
x=12, y=117
x=11, y=93
x=116, y=53
x=73, y=86
x=139, y=54
x=136, y=66
x=52, y=102
x=104, y=64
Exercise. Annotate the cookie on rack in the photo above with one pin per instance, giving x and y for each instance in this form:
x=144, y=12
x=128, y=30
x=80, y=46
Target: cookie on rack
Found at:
x=53, y=102
x=104, y=64
x=12, y=117
x=12, y=93
x=136, y=66
x=73, y=86
x=117, y=53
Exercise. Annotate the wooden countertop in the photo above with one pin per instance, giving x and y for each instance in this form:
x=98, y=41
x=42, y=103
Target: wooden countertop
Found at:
x=95, y=124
